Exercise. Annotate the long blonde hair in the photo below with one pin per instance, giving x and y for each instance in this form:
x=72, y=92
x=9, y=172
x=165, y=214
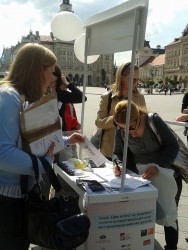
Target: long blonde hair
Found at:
x=26, y=72
x=124, y=68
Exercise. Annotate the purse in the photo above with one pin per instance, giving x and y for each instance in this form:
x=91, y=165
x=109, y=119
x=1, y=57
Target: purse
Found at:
x=181, y=160
x=96, y=138
x=56, y=223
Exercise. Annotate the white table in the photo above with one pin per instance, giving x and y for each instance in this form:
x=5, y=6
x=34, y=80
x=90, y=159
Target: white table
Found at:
x=182, y=124
x=118, y=220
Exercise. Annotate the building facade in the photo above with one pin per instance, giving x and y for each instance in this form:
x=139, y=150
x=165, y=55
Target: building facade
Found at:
x=153, y=69
x=151, y=64
x=169, y=65
x=176, y=58
x=99, y=73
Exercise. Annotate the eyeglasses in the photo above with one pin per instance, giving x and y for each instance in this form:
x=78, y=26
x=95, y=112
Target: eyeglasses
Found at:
x=131, y=129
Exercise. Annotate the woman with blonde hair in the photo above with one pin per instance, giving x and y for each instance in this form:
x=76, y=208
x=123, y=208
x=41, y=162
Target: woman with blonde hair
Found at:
x=119, y=92
x=30, y=75
x=145, y=148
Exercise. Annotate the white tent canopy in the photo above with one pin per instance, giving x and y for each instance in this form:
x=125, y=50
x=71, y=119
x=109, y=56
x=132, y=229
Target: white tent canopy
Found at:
x=118, y=29
x=113, y=30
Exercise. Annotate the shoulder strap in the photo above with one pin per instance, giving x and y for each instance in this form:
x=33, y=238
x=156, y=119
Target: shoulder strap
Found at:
x=24, y=178
x=109, y=100
x=51, y=174
x=153, y=128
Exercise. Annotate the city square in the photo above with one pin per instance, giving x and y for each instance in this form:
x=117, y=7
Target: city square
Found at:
x=160, y=74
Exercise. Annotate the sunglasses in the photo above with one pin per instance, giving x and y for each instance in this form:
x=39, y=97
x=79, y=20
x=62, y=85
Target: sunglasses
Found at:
x=132, y=129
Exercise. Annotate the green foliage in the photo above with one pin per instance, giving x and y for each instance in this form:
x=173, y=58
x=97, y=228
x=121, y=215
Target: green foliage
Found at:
x=151, y=82
x=185, y=79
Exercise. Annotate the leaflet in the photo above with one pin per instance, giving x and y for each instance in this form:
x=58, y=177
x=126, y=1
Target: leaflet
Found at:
x=93, y=153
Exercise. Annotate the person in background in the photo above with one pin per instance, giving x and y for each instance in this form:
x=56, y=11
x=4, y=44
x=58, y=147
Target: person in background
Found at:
x=146, y=149
x=67, y=95
x=119, y=90
x=171, y=88
x=183, y=117
x=30, y=75
x=165, y=89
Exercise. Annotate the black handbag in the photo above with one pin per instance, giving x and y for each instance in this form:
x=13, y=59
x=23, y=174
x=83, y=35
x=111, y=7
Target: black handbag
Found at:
x=56, y=223
x=96, y=138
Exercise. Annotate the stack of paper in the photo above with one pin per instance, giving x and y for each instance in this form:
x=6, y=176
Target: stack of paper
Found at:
x=40, y=125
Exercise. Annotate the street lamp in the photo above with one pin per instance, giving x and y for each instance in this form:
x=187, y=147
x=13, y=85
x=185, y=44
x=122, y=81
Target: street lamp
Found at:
x=153, y=73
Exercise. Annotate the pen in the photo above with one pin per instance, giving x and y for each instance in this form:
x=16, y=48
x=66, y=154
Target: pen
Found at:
x=117, y=165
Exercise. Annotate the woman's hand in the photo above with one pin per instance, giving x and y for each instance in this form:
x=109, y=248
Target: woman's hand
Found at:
x=78, y=126
x=117, y=170
x=182, y=118
x=150, y=172
x=76, y=138
x=64, y=80
x=50, y=152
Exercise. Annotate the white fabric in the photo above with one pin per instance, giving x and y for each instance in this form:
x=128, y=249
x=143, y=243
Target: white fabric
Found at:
x=166, y=212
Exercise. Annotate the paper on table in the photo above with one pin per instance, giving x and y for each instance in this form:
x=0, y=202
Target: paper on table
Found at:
x=93, y=153
x=41, y=146
x=130, y=181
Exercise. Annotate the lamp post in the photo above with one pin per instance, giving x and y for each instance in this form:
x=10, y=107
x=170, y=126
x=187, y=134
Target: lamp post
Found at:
x=103, y=76
x=152, y=73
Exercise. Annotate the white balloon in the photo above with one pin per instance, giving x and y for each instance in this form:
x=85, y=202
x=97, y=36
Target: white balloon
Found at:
x=79, y=49
x=66, y=26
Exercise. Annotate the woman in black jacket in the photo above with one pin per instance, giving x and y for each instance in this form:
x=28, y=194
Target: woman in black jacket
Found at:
x=183, y=117
x=146, y=149
x=67, y=95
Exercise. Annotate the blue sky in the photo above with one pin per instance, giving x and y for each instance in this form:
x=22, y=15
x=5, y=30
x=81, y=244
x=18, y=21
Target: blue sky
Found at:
x=166, y=19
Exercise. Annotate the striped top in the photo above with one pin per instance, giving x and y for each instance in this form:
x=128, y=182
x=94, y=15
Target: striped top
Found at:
x=11, y=191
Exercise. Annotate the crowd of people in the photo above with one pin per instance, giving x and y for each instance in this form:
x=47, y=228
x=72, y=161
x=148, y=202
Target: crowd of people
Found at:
x=34, y=73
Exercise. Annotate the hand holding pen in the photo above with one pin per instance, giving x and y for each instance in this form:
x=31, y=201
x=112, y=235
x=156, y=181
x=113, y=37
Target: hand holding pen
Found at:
x=117, y=169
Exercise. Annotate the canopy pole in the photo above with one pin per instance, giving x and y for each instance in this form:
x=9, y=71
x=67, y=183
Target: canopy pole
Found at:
x=84, y=88
x=136, y=27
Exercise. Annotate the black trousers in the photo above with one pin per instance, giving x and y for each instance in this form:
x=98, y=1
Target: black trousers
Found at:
x=11, y=230
x=172, y=235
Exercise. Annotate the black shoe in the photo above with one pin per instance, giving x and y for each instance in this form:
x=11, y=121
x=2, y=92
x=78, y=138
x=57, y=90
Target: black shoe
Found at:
x=186, y=239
